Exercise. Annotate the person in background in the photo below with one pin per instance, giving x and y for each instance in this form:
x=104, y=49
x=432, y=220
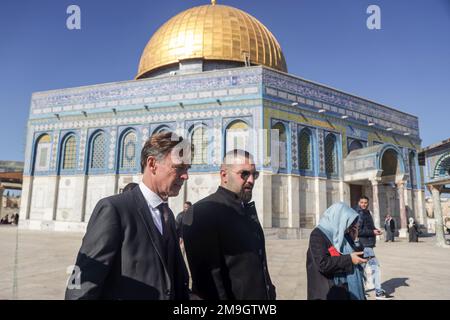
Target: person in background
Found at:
x=130, y=186
x=367, y=237
x=4, y=220
x=179, y=218
x=389, y=227
x=16, y=219
x=413, y=231
x=179, y=227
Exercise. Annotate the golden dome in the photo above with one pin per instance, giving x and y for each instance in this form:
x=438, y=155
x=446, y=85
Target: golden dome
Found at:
x=212, y=32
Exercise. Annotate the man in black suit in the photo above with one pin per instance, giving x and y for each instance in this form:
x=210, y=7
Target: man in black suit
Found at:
x=224, y=240
x=130, y=249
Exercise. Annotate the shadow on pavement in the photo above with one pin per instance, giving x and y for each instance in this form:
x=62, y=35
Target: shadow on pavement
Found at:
x=426, y=235
x=390, y=285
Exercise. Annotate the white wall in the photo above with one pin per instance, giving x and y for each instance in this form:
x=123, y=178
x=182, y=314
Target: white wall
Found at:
x=124, y=179
x=307, y=202
x=284, y=201
x=25, y=201
x=70, y=198
x=280, y=200
x=333, y=192
x=42, y=198
x=98, y=187
x=262, y=195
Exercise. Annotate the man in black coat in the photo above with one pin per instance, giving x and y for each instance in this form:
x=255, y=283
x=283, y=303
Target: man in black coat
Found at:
x=224, y=240
x=179, y=225
x=179, y=218
x=367, y=233
x=130, y=249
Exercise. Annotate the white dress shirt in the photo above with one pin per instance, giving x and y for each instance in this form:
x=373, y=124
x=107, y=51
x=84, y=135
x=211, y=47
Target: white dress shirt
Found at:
x=153, y=200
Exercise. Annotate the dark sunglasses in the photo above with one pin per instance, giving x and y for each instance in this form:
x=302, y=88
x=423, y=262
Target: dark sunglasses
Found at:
x=245, y=174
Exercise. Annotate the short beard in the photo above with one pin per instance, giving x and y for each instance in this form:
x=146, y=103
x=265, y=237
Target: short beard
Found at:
x=244, y=196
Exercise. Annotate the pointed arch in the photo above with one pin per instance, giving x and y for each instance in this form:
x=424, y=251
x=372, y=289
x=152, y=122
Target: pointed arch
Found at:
x=237, y=136
x=355, y=145
x=442, y=167
x=162, y=128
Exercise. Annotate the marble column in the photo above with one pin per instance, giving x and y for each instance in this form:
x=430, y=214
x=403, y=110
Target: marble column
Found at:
x=436, y=195
x=320, y=191
x=376, y=204
x=1, y=199
x=403, y=217
x=293, y=202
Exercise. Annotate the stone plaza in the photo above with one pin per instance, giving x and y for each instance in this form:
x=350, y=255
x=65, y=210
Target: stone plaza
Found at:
x=34, y=265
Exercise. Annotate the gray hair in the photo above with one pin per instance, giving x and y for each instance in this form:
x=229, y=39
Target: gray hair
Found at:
x=159, y=145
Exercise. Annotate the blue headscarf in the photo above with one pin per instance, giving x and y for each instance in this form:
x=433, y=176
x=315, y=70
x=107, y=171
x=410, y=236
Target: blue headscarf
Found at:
x=334, y=222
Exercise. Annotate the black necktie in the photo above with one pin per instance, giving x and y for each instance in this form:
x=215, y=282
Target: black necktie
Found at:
x=173, y=258
x=165, y=212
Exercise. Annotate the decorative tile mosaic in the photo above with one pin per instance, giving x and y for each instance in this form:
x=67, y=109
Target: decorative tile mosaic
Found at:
x=279, y=85
x=135, y=92
x=294, y=145
x=321, y=151
x=82, y=144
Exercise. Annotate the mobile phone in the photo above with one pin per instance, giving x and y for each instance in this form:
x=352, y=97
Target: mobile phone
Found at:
x=368, y=253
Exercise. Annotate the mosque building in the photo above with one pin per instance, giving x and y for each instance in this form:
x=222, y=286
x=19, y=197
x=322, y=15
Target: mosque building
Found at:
x=219, y=75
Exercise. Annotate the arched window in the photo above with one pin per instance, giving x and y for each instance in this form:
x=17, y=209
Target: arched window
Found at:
x=355, y=145
x=442, y=168
x=237, y=136
x=162, y=129
x=305, y=149
x=282, y=145
x=69, y=160
x=330, y=154
x=199, y=141
x=128, y=151
x=98, y=152
x=42, y=159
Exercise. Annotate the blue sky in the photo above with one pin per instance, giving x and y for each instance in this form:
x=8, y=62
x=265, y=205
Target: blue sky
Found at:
x=405, y=65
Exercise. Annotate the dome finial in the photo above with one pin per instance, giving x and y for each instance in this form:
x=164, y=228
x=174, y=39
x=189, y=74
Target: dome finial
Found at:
x=213, y=2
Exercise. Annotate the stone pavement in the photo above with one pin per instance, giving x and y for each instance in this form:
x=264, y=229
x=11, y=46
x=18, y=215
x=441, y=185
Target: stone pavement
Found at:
x=36, y=269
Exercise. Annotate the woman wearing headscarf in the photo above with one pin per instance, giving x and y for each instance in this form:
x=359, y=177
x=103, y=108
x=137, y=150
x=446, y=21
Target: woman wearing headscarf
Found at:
x=413, y=230
x=332, y=263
